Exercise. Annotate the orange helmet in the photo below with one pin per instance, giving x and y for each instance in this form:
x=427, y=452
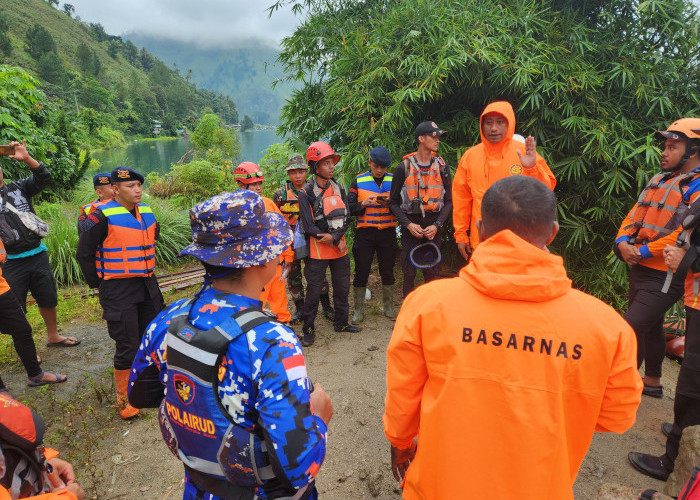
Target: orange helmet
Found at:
x=248, y=173
x=683, y=129
x=318, y=151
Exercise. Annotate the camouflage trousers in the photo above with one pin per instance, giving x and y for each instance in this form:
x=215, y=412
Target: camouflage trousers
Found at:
x=295, y=283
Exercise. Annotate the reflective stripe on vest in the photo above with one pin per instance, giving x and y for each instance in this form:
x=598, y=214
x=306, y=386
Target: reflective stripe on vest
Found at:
x=423, y=190
x=129, y=249
x=290, y=208
x=660, y=207
x=3, y=254
x=194, y=423
x=378, y=216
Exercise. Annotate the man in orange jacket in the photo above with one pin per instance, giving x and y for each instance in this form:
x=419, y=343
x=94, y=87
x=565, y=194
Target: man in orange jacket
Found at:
x=686, y=402
x=22, y=454
x=249, y=176
x=652, y=223
x=503, y=373
x=498, y=155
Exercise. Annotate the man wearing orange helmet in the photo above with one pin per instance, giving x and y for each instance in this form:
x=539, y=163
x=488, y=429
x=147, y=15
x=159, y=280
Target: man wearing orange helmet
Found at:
x=324, y=216
x=249, y=176
x=686, y=406
x=287, y=200
x=652, y=224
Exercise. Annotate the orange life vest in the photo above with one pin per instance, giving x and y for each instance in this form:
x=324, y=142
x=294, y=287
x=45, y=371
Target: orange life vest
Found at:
x=129, y=250
x=660, y=207
x=377, y=216
x=329, y=206
x=290, y=208
x=423, y=190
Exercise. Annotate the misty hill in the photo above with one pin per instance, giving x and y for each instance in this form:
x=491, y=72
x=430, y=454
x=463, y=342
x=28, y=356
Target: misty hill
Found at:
x=109, y=87
x=244, y=72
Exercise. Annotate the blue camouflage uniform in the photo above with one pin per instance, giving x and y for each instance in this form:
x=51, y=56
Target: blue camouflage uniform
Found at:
x=277, y=390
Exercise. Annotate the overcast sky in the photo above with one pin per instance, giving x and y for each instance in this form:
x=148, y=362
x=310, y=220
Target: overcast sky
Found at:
x=207, y=22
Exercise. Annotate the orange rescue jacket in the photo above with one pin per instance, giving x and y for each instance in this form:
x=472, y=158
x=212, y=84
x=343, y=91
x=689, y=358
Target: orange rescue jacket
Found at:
x=290, y=208
x=484, y=164
x=503, y=374
x=655, y=220
x=129, y=250
x=376, y=216
x=330, y=206
x=423, y=190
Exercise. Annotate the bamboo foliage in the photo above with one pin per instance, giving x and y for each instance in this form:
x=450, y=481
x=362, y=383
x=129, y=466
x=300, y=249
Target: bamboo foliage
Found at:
x=590, y=80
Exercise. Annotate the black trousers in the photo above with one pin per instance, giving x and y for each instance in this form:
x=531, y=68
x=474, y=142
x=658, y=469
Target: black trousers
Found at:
x=686, y=407
x=645, y=314
x=408, y=241
x=13, y=322
x=315, y=274
x=128, y=306
x=369, y=241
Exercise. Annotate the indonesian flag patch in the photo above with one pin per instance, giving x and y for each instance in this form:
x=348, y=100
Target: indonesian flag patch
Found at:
x=295, y=367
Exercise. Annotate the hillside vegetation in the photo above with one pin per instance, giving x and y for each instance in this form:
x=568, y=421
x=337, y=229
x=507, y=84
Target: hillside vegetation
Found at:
x=110, y=88
x=246, y=72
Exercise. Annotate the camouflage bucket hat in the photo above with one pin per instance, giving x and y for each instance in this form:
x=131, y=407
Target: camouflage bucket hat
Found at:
x=234, y=230
x=296, y=162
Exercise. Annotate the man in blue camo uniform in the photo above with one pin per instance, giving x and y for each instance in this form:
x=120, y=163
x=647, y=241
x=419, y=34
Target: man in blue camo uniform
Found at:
x=255, y=390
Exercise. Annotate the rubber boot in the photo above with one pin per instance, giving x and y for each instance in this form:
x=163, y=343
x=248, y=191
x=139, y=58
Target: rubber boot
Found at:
x=121, y=380
x=388, y=301
x=328, y=311
x=298, y=315
x=359, y=314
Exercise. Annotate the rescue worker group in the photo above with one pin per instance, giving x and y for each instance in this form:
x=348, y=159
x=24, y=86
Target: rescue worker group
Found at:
x=504, y=356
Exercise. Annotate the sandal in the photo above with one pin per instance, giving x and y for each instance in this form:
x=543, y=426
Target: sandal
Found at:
x=39, y=379
x=66, y=342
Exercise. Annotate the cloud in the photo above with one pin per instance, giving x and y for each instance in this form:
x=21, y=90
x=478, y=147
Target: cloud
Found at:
x=212, y=23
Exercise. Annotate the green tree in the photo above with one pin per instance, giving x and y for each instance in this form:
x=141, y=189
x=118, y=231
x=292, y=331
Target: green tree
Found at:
x=214, y=142
x=50, y=69
x=39, y=42
x=113, y=48
x=131, y=53
x=247, y=123
x=5, y=42
x=589, y=80
x=84, y=56
x=26, y=113
x=68, y=9
x=98, y=32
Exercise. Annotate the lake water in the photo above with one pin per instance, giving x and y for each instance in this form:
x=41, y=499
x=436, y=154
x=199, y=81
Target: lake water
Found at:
x=157, y=156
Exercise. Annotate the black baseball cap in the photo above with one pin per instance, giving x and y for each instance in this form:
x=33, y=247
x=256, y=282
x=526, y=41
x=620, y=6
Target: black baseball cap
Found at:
x=429, y=128
x=124, y=174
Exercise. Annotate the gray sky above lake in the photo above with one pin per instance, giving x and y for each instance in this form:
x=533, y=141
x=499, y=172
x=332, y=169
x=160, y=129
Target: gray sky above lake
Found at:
x=205, y=22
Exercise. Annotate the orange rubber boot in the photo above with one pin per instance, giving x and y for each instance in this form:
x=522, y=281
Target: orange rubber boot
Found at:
x=121, y=380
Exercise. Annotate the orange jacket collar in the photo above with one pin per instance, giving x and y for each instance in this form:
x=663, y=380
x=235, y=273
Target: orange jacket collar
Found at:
x=507, y=267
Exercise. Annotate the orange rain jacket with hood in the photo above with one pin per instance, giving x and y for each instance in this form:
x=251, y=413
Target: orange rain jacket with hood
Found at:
x=503, y=373
x=484, y=164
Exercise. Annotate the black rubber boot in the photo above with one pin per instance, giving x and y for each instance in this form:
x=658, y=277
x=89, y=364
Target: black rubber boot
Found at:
x=298, y=315
x=328, y=311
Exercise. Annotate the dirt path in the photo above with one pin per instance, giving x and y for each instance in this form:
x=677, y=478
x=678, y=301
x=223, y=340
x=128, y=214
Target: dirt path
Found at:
x=128, y=460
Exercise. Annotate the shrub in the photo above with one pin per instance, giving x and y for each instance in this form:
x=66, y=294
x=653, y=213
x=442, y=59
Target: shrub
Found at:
x=195, y=181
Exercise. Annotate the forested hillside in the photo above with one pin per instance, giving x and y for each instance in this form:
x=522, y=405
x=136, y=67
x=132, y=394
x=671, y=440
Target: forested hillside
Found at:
x=111, y=84
x=67, y=87
x=246, y=72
